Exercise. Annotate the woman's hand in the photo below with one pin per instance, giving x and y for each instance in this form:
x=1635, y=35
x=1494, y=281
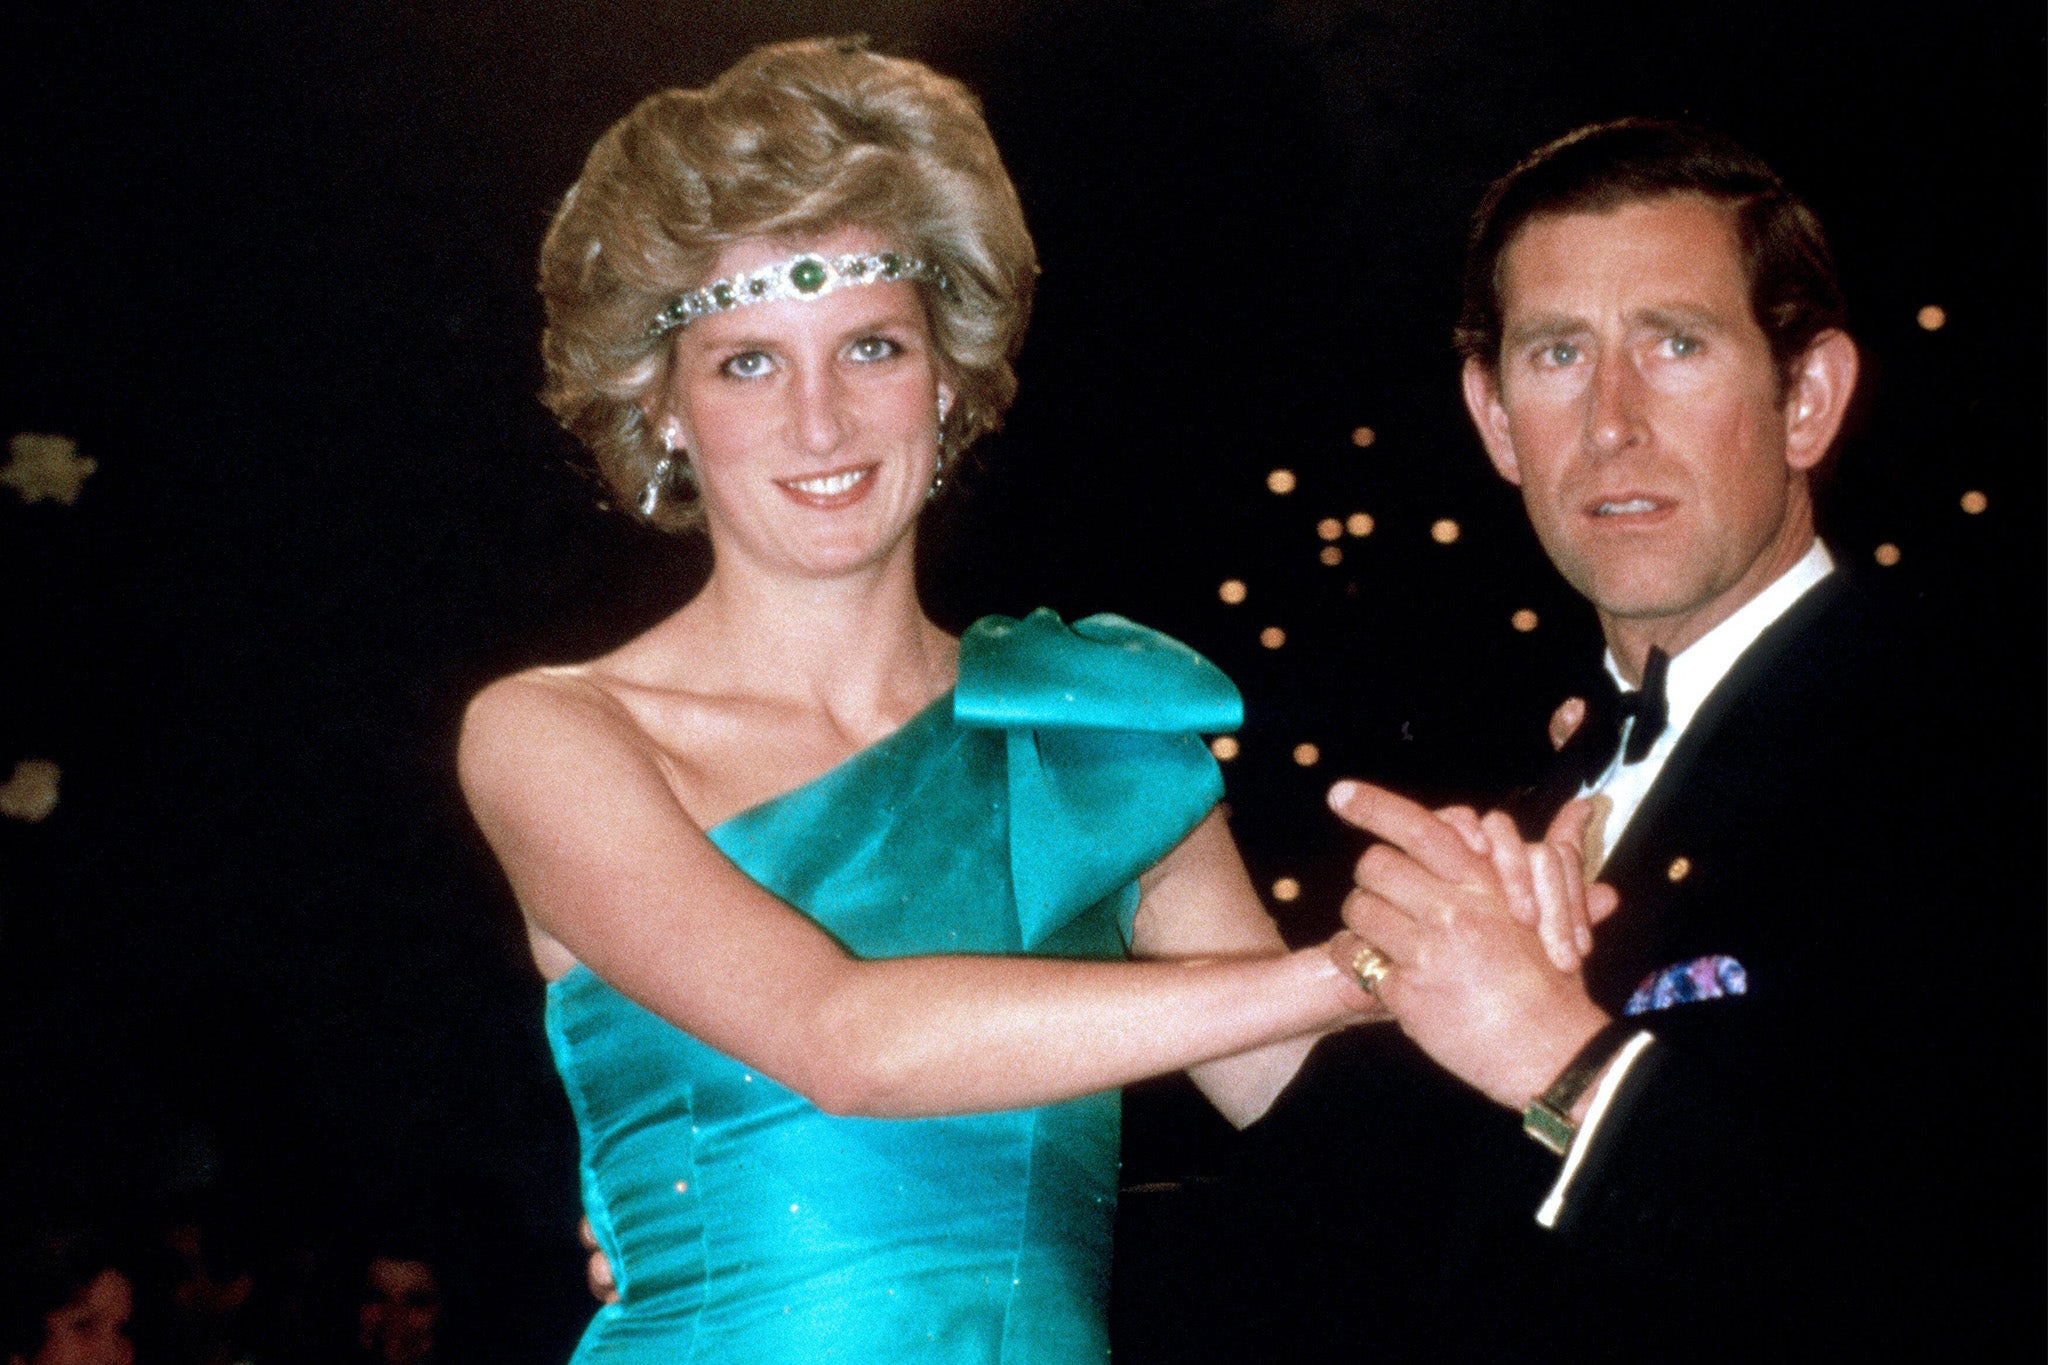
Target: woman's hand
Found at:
x=597, y=1270
x=1544, y=882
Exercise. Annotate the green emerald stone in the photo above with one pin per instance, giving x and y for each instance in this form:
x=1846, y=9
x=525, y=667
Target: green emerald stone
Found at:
x=721, y=294
x=891, y=264
x=807, y=275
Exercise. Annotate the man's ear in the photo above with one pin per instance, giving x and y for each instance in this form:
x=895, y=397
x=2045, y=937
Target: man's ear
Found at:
x=1482, y=400
x=1817, y=398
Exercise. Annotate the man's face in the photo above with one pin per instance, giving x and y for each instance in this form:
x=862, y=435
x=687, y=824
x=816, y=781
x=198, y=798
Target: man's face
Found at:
x=1638, y=408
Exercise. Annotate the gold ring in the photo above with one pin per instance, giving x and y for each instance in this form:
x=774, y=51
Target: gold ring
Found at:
x=1371, y=967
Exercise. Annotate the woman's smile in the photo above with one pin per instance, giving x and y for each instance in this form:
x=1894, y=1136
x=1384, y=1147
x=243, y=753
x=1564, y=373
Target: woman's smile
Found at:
x=832, y=489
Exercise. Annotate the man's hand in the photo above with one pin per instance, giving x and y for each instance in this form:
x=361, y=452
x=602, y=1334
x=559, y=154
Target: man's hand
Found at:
x=1471, y=983
x=1545, y=882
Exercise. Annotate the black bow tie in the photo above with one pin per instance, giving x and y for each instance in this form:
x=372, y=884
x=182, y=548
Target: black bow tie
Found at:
x=1590, y=751
x=1646, y=706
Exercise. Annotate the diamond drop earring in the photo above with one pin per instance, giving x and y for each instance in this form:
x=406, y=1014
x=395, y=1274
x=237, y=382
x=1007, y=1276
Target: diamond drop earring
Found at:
x=939, y=464
x=657, y=480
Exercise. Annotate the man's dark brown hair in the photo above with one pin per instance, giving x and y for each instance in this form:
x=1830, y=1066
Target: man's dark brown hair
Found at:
x=1792, y=287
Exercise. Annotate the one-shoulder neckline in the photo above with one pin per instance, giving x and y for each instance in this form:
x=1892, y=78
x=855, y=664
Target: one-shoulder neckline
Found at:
x=859, y=755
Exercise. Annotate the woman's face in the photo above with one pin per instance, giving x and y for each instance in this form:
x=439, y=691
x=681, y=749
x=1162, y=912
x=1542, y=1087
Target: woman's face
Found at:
x=811, y=424
x=93, y=1328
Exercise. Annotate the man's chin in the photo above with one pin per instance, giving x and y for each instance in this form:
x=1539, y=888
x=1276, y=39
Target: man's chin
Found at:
x=1642, y=600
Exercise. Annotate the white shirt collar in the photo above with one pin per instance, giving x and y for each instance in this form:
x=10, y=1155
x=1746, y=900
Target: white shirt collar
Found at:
x=1701, y=665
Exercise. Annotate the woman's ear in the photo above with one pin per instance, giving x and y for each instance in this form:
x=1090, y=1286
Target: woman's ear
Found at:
x=665, y=425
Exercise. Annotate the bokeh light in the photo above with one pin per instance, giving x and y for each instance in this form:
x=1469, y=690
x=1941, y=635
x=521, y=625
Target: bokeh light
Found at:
x=1286, y=889
x=1445, y=531
x=1272, y=637
x=1975, y=502
x=1329, y=528
x=1932, y=318
x=1886, y=554
x=1363, y=437
x=1281, y=481
x=1524, y=620
x=1331, y=556
x=1359, y=524
x=1232, y=591
x=1224, y=747
x=1307, y=755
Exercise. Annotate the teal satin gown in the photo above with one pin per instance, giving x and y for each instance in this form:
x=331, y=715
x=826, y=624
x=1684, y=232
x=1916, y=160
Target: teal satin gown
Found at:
x=1011, y=816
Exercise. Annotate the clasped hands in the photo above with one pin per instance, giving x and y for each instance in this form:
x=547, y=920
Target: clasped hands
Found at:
x=1484, y=934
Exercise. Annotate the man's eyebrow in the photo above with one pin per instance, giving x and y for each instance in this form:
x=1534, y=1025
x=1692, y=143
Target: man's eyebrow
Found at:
x=1544, y=327
x=1671, y=316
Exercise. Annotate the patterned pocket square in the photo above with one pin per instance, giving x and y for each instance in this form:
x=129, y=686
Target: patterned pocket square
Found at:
x=1703, y=978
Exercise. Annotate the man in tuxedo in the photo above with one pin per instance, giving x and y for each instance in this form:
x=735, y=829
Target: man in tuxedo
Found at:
x=1792, y=1099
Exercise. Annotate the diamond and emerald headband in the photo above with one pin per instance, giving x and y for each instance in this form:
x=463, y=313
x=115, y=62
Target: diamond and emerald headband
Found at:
x=801, y=277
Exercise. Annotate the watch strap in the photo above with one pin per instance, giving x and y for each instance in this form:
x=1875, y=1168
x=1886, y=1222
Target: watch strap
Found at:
x=1548, y=1119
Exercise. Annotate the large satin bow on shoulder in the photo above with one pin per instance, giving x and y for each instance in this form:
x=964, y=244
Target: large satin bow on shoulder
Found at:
x=1107, y=770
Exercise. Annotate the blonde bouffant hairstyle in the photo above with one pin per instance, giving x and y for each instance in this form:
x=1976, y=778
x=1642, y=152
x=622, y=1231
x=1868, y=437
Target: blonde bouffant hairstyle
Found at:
x=796, y=140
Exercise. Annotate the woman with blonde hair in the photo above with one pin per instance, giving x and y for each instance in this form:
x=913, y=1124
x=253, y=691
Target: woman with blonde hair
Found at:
x=833, y=907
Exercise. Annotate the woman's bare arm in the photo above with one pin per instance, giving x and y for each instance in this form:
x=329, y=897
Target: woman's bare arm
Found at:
x=1199, y=904
x=604, y=859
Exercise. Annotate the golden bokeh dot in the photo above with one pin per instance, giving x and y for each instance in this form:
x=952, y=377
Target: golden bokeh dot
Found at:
x=1975, y=502
x=1281, y=481
x=1286, y=889
x=1887, y=554
x=1444, y=531
x=1680, y=869
x=1331, y=556
x=1523, y=620
x=1232, y=591
x=1359, y=524
x=1272, y=637
x=1329, y=528
x=1224, y=747
x=1932, y=318
x=31, y=793
x=1307, y=755
x=1363, y=436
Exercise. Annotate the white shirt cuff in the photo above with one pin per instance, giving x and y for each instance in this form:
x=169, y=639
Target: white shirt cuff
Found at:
x=1582, y=1141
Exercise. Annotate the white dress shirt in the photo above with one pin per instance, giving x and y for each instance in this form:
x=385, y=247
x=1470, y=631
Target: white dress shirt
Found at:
x=1693, y=674
x=1691, y=678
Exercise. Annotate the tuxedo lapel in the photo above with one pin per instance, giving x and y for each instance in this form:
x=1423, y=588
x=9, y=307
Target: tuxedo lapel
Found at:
x=1677, y=834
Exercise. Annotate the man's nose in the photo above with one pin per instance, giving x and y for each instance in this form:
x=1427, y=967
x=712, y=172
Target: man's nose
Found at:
x=1614, y=413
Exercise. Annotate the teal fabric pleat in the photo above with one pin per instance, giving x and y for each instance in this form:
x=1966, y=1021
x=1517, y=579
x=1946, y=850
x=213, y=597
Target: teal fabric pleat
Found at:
x=1013, y=815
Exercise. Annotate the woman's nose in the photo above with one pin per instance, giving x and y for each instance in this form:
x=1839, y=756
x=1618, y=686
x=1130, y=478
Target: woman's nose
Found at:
x=821, y=417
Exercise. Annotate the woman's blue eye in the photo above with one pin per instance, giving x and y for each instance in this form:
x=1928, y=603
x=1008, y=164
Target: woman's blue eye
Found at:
x=1683, y=346
x=1563, y=353
x=874, y=348
x=747, y=365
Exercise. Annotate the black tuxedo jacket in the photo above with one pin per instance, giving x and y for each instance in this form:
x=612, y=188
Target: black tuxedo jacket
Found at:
x=1847, y=1155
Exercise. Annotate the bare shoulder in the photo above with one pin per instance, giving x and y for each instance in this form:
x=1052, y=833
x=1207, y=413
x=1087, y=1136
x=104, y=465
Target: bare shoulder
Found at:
x=529, y=720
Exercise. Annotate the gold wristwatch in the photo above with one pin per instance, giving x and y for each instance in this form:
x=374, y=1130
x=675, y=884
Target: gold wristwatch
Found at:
x=1548, y=1119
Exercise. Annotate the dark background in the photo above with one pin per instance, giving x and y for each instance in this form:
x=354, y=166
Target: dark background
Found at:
x=272, y=269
